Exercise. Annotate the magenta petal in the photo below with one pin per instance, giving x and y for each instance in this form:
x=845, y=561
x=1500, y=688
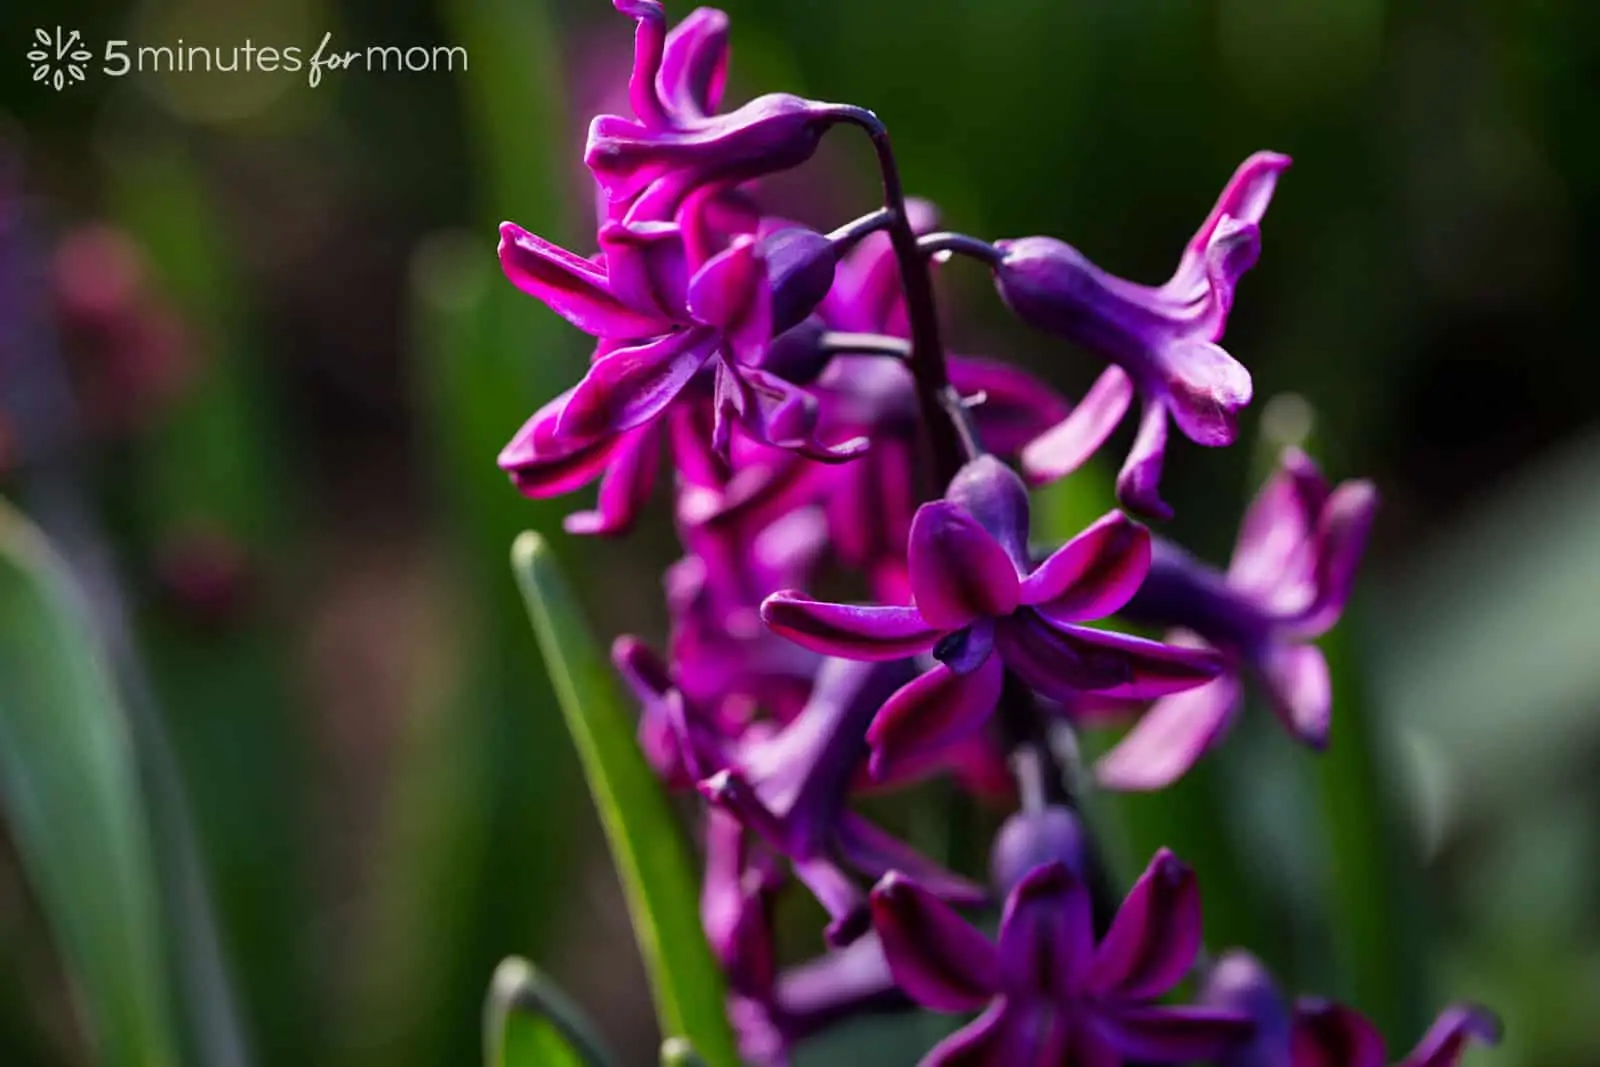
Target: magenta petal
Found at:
x=731, y=293
x=1341, y=539
x=1206, y=389
x=1047, y=934
x=560, y=471
x=1245, y=199
x=1070, y=443
x=631, y=386
x=694, y=64
x=1173, y=1034
x=1274, y=556
x=1094, y=574
x=930, y=714
x=876, y=853
x=1139, y=480
x=872, y=632
x=1332, y=1035
x=1448, y=1038
x=647, y=266
x=625, y=488
x=1301, y=692
x=959, y=573
x=1064, y=661
x=935, y=956
x=569, y=285
x=1171, y=737
x=1155, y=936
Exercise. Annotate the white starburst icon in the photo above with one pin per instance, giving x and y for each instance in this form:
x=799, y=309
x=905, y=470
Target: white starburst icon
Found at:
x=58, y=59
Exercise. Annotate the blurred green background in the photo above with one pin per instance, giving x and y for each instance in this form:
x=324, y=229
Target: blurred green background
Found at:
x=258, y=360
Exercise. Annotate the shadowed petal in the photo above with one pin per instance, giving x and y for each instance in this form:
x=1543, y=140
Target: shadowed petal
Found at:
x=694, y=65
x=876, y=853
x=959, y=573
x=571, y=286
x=1245, y=198
x=1094, y=574
x=1155, y=936
x=1274, y=555
x=1171, y=737
x=1173, y=1035
x=1139, y=480
x=1206, y=389
x=1447, y=1039
x=1046, y=934
x=631, y=386
x=935, y=956
x=1063, y=661
x=929, y=714
x=646, y=266
x=873, y=632
x=1341, y=539
x=992, y=493
x=1013, y=1034
x=629, y=477
x=731, y=292
x=1301, y=692
x=1070, y=443
x=1332, y=1035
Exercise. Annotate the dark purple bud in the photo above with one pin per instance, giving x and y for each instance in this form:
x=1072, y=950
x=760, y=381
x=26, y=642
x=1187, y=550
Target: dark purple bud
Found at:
x=800, y=265
x=797, y=355
x=1238, y=982
x=1031, y=839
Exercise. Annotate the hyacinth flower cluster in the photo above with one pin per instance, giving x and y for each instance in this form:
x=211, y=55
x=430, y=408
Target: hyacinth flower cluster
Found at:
x=793, y=387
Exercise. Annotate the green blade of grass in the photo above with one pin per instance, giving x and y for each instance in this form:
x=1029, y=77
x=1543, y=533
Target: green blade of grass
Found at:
x=653, y=862
x=70, y=787
x=529, y=1022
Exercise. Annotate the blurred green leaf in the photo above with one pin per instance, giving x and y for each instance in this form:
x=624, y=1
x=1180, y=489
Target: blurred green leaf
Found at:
x=657, y=873
x=71, y=791
x=529, y=1022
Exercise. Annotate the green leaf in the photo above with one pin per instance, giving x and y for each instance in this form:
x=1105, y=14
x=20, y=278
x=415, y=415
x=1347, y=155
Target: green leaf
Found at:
x=70, y=789
x=529, y=1022
x=676, y=1052
x=652, y=858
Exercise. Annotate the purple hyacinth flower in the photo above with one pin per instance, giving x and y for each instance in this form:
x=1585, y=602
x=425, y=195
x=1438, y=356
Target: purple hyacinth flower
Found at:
x=676, y=143
x=1051, y=995
x=1292, y=571
x=1161, y=341
x=982, y=608
x=789, y=788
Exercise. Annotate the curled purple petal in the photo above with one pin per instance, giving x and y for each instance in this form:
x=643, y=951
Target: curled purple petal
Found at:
x=930, y=714
x=628, y=480
x=1155, y=936
x=1061, y=662
x=1205, y=390
x=959, y=572
x=1171, y=737
x=1300, y=690
x=1138, y=482
x=694, y=65
x=870, y=632
x=1447, y=1040
x=1070, y=443
x=571, y=286
x=631, y=386
x=1094, y=574
x=933, y=953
